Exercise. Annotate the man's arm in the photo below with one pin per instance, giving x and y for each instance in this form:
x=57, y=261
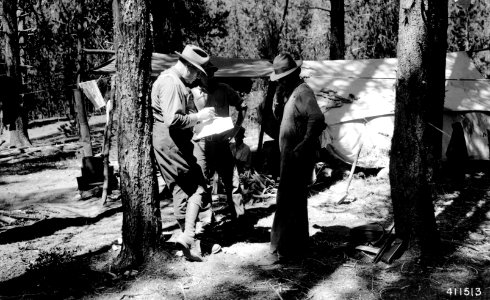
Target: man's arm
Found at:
x=171, y=104
x=236, y=101
x=308, y=107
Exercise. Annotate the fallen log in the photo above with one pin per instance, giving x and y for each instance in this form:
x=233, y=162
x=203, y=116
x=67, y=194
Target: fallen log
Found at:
x=18, y=215
x=9, y=153
x=7, y=220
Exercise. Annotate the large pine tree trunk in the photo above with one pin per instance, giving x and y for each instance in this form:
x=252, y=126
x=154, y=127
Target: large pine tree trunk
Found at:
x=416, y=144
x=15, y=114
x=141, y=213
x=337, y=39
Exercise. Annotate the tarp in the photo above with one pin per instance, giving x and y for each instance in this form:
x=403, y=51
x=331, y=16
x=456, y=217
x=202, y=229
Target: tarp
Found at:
x=228, y=67
x=372, y=81
x=370, y=118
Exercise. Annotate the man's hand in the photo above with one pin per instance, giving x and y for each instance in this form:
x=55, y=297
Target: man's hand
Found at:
x=206, y=113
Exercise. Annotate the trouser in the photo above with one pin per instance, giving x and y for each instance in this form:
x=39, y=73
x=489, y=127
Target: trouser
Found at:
x=216, y=156
x=173, y=151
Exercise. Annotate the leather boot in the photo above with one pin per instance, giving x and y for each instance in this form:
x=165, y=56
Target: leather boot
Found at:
x=186, y=239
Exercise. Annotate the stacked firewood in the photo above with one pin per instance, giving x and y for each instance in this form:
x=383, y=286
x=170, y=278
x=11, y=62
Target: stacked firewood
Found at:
x=257, y=186
x=69, y=129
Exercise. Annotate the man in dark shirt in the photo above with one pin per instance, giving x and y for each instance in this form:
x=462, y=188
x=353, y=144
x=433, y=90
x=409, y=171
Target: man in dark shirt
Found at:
x=213, y=152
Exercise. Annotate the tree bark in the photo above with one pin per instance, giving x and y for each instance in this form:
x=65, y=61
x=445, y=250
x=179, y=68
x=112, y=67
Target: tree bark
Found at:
x=337, y=37
x=141, y=212
x=83, y=125
x=416, y=145
x=16, y=116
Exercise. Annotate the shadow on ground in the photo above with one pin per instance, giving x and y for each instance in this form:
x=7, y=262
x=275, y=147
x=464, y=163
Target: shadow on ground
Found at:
x=462, y=221
x=37, y=164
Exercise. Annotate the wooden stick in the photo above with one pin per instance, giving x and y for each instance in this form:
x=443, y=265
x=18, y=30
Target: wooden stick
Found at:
x=277, y=293
x=107, y=141
x=351, y=174
x=98, y=51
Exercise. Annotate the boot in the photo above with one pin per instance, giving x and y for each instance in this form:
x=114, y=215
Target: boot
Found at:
x=186, y=239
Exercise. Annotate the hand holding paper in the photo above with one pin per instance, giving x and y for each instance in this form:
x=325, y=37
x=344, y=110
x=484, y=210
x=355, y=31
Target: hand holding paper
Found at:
x=206, y=113
x=212, y=126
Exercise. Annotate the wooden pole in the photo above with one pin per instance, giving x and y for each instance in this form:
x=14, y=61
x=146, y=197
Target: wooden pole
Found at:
x=98, y=51
x=79, y=103
x=82, y=121
x=107, y=139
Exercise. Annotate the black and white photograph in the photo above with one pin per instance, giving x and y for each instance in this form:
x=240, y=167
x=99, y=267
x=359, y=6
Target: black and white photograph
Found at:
x=224, y=149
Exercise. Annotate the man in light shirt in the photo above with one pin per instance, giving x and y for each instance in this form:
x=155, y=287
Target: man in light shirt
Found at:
x=174, y=118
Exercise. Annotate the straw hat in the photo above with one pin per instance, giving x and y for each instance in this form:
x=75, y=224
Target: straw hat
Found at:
x=283, y=65
x=196, y=56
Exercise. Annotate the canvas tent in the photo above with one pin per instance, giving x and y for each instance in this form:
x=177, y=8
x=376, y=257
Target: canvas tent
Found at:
x=370, y=118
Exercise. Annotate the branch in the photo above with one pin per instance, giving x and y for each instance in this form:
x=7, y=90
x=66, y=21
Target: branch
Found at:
x=98, y=51
x=284, y=16
x=317, y=7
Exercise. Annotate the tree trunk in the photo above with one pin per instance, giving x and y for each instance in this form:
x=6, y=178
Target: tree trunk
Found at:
x=15, y=114
x=141, y=212
x=416, y=144
x=83, y=125
x=337, y=39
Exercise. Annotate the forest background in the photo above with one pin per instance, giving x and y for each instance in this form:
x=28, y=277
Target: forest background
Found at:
x=51, y=30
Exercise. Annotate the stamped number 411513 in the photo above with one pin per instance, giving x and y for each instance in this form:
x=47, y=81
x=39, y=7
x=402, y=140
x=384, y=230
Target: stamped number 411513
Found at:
x=464, y=292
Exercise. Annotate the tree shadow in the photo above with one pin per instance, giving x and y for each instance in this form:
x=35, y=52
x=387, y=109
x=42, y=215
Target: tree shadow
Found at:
x=56, y=276
x=293, y=279
x=462, y=210
x=49, y=226
x=465, y=209
x=59, y=275
x=36, y=164
x=228, y=233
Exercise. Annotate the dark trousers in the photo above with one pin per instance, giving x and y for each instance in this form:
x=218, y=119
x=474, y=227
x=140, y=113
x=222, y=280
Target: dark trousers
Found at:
x=174, y=156
x=216, y=156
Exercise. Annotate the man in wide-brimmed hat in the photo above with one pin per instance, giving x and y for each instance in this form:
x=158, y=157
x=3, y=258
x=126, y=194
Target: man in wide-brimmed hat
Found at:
x=172, y=144
x=213, y=152
x=302, y=122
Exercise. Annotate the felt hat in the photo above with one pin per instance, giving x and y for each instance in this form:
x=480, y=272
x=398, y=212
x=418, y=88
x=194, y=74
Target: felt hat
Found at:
x=196, y=56
x=283, y=65
x=210, y=68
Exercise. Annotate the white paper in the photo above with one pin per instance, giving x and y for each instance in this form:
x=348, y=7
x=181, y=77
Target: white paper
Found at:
x=212, y=126
x=91, y=90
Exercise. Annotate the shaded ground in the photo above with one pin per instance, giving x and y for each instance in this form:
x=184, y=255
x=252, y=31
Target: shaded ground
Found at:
x=74, y=262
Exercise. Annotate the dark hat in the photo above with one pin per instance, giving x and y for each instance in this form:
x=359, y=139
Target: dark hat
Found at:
x=209, y=67
x=284, y=64
x=196, y=56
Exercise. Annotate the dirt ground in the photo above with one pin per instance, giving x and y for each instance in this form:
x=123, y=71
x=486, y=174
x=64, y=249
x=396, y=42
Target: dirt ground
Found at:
x=71, y=258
